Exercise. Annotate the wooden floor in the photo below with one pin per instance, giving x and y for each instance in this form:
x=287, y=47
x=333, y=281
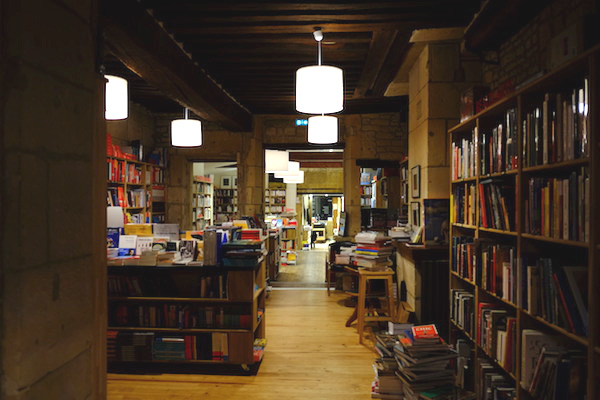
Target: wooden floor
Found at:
x=309, y=355
x=309, y=269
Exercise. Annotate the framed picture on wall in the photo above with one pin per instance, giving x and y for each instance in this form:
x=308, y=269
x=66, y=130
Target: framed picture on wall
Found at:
x=234, y=182
x=415, y=181
x=415, y=213
x=226, y=182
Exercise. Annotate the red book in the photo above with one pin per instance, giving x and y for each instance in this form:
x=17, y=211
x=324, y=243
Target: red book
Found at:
x=482, y=202
x=564, y=302
x=121, y=194
x=479, y=324
x=425, y=332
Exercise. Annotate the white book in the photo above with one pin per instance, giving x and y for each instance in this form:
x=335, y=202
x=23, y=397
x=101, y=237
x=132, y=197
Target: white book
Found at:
x=127, y=241
x=143, y=243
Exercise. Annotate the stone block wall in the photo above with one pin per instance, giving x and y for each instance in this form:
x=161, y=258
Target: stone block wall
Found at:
x=52, y=193
x=528, y=51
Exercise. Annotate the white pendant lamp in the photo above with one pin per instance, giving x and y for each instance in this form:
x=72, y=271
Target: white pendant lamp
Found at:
x=295, y=179
x=319, y=88
x=186, y=132
x=276, y=160
x=116, y=98
x=323, y=129
x=293, y=170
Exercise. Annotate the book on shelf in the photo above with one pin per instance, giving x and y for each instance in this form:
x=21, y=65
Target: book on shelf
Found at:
x=497, y=335
x=498, y=269
x=559, y=207
x=463, y=309
x=464, y=257
x=180, y=316
x=496, y=201
x=557, y=128
x=557, y=293
x=499, y=146
x=463, y=203
x=493, y=382
x=149, y=346
x=463, y=157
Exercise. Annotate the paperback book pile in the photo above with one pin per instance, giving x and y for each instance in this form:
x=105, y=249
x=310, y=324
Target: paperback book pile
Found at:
x=373, y=250
x=345, y=255
x=386, y=384
x=424, y=361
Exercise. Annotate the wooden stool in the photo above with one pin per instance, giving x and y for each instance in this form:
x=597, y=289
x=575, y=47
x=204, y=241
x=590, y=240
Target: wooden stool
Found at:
x=363, y=278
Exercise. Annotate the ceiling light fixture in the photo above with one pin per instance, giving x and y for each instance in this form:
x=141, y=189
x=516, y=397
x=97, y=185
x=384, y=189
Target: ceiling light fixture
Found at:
x=319, y=88
x=186, y=132
x=323, y=129
x=116, y=98
x=295, y=179
x=293, y=170
x=276, y=160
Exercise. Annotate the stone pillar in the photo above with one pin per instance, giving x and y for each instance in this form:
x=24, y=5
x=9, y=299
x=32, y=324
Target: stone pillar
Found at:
x=251, y=170
x=290, y=196
x=53, y=186
x=179, y=191
x=436, y=80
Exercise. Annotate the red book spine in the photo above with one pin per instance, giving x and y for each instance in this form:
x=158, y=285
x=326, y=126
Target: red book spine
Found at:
x=564, y=302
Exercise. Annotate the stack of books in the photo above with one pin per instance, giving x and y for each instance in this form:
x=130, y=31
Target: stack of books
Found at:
x=386, y=384
x=373, y=250
x=424, y=361
x=243, y=253
x=345, y=255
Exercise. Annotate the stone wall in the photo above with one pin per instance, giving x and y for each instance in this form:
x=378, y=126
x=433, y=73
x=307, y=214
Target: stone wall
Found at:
x=140, y=125
x=53, y=181
x=528, y=51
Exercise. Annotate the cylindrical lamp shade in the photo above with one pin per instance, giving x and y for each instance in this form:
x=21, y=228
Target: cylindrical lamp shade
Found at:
x=295, y=179
x=319, y=89
x=276, y=160
x=116, y=98
x=322, y=129
x=186, y=133
x=293, y=170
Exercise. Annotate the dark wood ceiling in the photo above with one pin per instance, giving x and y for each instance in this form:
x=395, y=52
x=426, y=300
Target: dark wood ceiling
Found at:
x=252, y=49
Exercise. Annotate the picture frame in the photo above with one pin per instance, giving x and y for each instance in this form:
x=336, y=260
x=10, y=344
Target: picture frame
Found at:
x=226, y=182
x=234, y=182
x=436, y=214
x=415, y=212
x=415, y=181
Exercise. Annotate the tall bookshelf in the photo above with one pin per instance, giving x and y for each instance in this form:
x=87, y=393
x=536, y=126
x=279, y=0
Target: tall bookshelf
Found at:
x=215, y=313
x=510, y=208
x=131, y=185
x=202, y=202
x=274, y=200
x=159, y=194
x=225, y=204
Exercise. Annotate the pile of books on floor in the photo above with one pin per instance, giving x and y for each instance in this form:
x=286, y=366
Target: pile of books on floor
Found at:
x=373, y=251
x=424, y=362
x=386, y=384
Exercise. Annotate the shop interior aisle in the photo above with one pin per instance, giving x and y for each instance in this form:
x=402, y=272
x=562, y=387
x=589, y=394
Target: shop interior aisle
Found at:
x=310, y=355
x=309, y=270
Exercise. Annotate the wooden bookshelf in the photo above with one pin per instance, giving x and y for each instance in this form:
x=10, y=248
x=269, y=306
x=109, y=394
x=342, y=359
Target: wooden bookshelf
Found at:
x=225, y=204
x=243, y=295
x=129, y=176
x=559, y=247
x=202, y=202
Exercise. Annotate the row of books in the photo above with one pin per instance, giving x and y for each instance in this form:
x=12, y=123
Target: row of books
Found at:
x=288, y=233
x=496, y=201
x=274, y=209
x=225, y=192
x=117, y=196
x=121, y=171
x=147, y=346
x=275, y=200
x=138, y=218
x=274, y=193
x=202, y=187
x=463, y=157
x=180, y=316
x=366, y=190
x=463, y=203
x=497, y=335
x=499, y=148
x=559, y=208
x=550, y=370
x=158, y=176
x=462, y=310
x=558, y=128
x=201, y=201
x=225, y=209
x=168, y=286
x=494, y=384
x=558, y=294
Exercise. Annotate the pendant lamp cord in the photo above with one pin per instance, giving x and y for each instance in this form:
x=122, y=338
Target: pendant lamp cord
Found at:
x=185, y=113
x=319, y=51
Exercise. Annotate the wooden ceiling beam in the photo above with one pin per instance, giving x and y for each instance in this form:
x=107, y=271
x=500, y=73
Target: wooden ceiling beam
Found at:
x=380, y=46
x=392, y=63
x=142, y=45
x=232, y=39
